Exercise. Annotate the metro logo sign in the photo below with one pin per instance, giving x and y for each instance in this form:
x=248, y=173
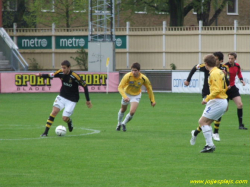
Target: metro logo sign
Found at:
x=71, y=42
x=34, y=42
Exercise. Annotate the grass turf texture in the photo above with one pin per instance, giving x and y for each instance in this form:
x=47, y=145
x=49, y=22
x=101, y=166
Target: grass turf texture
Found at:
x=155, y=150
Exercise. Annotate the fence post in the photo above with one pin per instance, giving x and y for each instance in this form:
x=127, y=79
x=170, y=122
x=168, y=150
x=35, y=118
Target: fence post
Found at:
x=14, y=31
x=200, y=44
x=235, y=34
x=164, y=44
x=127, y=26
x=53, y=45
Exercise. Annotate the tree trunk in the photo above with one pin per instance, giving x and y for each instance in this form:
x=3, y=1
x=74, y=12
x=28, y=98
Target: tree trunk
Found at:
x=176, y=12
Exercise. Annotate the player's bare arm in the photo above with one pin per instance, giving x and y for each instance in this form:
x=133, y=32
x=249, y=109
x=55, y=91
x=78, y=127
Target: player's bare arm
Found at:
x=186, y=83
x=89, y=104
x=38, y=74
x=243, y=82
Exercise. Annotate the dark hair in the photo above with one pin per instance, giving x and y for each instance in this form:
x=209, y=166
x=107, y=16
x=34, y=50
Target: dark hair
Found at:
x=136, y=65
x=210, y=60
x=66, y=63
x=233, y=54
x=219, y=55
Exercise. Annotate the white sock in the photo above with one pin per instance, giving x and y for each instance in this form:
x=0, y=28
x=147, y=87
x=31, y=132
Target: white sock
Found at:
x=120, y=116
x=207, y=132
x=127, y=119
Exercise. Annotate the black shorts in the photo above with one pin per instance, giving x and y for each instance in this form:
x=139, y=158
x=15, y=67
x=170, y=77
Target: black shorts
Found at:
x=233, y=92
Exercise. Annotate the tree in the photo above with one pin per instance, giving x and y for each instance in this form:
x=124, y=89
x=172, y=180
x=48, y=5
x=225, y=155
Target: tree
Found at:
x=178, y=9
x=63, y=13
x=202, y=7
x=14, y=12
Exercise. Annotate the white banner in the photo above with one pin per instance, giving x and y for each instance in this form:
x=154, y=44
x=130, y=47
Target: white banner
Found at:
x=196, y=83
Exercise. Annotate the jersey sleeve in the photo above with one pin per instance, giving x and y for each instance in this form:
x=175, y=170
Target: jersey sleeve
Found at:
x=193, y=70
x=52, y=75
x=148, y=86
x=123, y=84
x=83, y=84
x=239, y=73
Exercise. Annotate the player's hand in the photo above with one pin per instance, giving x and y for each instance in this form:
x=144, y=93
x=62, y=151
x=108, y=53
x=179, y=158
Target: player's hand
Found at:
x=186, y=83
x=203, y=102
x=243, y=82
x=126, y=100
x=153, y=104
x=38, y=74
x=228, y=87
x=89, y=104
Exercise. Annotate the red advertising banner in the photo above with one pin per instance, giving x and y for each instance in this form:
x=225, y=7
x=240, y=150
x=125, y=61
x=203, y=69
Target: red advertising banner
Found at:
x=30, y=83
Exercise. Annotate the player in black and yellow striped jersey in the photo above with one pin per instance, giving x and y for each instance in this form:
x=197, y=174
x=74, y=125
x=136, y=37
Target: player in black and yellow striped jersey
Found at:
x=205, y=90
x=69, y=95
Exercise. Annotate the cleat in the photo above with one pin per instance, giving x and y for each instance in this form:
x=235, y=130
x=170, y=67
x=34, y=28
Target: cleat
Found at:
x=44, y=135
x=118, y=128
x=70, y=126
x=216, y=137
x=193, y=138
x=124, y=128
x=242, y=127
x=208, y=149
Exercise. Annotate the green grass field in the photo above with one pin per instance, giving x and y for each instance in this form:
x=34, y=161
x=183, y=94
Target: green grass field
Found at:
x=154, y=152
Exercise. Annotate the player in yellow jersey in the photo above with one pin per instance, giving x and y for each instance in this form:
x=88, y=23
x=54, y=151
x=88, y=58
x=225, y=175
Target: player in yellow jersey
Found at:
x=130, y=90
x=216, y=101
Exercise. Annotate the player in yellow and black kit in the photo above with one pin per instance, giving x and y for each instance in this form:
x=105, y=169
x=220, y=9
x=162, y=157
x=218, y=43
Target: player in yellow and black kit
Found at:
x=130, y=90
x=205, y=90
x=216, y=102
x=69, y=95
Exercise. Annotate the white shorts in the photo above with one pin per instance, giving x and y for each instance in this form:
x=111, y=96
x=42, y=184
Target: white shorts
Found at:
x=65, y=104
x=215, y=108
x=132, y=98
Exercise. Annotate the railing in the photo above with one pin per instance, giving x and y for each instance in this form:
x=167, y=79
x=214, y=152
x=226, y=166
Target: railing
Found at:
x=10, y=50
x=131, y=29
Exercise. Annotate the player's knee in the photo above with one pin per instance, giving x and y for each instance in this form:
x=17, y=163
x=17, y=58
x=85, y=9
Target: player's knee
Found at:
x=65, y=118
x=240, y=105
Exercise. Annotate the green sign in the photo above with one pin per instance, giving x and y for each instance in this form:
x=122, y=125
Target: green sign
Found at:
x=34, y=42
x=71, y=42
x=120, y=42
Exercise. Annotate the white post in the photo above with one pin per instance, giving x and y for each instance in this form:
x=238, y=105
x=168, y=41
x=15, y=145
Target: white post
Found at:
x=235, y=34
x=200, y=44
x=164, y=45
x=200, y=47
x=107, y=65
x=53, y=45
x=14, y=30
x=127, y=26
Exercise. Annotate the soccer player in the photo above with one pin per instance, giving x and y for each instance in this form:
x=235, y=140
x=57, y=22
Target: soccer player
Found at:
x=216, y=101
x=69, y=95
x=130, y=90
x=233, y=91
x=205, y=91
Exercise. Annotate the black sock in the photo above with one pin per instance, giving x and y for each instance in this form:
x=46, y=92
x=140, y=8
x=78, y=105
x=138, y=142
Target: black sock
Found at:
x=197, y=131
x=216, y=126
x=240, y=115
x=49, y=123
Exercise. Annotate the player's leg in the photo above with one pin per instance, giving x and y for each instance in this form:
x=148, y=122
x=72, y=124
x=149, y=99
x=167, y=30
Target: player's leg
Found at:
x=239, y=104
x=134, y=102
x=129, y=116
x=121, y=113
x=216, y=135
x=194, y=134
x=205, y=124
x=213, y=111
x=50, y=120
x=68, y=111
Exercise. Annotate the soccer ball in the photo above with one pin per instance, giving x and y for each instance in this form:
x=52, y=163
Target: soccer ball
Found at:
x=60, y=130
